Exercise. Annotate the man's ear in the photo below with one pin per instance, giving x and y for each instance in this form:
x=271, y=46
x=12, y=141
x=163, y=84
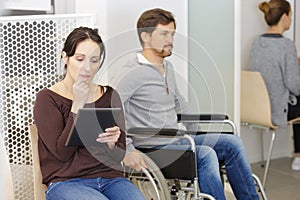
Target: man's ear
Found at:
x=145, y=37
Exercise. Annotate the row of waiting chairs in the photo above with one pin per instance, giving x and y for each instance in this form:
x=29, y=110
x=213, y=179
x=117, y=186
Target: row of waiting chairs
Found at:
x=177, y=179
x=255, y=112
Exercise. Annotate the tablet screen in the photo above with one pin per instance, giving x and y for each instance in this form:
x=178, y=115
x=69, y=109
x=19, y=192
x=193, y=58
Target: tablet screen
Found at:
x=89, y=123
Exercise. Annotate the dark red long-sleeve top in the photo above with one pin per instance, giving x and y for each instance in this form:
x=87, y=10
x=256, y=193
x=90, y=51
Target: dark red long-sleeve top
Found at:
x=54, y=119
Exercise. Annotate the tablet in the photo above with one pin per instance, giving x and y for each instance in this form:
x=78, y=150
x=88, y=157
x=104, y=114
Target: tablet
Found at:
x=89, y=123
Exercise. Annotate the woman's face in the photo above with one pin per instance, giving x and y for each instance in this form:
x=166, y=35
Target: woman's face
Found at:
x=85, y=62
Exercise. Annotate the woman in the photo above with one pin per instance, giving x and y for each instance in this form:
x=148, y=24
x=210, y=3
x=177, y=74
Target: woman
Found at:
x=275, y=57
x=74, y=172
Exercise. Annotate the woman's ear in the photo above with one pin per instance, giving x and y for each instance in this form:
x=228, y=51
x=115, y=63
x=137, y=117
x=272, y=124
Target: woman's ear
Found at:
x=64, y=57
x=284, y=17
x=286, y=20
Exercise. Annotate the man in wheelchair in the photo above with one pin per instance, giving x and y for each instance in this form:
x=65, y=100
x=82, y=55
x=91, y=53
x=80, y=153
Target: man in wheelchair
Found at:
x=151, y=99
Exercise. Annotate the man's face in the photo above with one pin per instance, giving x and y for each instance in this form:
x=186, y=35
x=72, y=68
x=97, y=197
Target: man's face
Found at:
x=161, y=40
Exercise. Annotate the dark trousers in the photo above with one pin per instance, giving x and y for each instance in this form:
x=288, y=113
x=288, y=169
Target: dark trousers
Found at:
x=294, y=111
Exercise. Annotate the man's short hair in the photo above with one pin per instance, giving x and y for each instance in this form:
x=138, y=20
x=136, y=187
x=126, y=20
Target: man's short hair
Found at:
x=149, y=20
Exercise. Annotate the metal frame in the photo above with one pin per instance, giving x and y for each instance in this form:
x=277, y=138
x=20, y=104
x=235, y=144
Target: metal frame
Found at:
x=139, y=133
x=220, y=118
x=213, y=119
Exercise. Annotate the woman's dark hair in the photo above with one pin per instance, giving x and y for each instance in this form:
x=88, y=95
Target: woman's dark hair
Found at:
x=274, y=9
x=80, y=34
x=151, y=18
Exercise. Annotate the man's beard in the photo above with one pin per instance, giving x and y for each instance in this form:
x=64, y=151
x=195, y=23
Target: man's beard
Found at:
x=166, y=53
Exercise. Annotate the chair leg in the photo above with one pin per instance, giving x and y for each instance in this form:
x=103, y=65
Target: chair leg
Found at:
x=269, y=158
x=262, y=164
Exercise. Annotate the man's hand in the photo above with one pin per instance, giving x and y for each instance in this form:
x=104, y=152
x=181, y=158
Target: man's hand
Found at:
x=134, y=160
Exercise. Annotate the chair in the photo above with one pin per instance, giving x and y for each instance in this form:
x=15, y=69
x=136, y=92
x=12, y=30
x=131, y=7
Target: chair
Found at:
x=151, y=182
x=39, y=187
x=219, y=119
x=177, y=166
x=256, y=109
x=181, y=174
x=152, y=174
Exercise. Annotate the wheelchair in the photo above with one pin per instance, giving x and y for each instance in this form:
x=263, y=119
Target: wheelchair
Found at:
x=171, y=174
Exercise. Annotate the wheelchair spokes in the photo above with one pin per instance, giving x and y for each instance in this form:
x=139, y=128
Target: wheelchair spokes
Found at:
x=150, y=182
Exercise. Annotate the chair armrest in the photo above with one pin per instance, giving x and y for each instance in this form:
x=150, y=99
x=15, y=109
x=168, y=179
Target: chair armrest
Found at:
x=212, y=132
x=140, y=132
x=201, y=117
x=146, y=132
x=207, y=118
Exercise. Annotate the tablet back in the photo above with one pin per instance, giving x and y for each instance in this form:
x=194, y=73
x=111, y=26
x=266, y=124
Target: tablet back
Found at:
x=89, y=123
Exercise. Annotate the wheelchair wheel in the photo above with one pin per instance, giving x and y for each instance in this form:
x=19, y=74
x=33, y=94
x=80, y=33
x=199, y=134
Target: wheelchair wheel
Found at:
x=150, y=182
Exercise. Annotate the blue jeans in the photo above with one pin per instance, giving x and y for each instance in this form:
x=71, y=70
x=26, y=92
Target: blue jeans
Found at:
x=228, y=149
x=93, y=189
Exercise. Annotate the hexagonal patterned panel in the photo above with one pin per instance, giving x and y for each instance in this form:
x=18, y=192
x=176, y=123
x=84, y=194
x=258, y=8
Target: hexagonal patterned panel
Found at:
x=30, y=50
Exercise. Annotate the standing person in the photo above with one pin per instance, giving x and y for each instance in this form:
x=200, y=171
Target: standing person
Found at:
x=151, y=99
x=275, y=57
x=73, y=173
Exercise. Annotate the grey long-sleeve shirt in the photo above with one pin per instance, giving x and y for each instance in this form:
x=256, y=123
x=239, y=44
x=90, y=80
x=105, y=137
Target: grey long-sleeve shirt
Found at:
x=150, y=99
x=275, y=57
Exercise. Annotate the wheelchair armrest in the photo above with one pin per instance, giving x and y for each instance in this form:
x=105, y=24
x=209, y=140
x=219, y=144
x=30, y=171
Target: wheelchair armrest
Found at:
x=140, y=132
x=207, y=118
x=201, y=117
x=211, y=132
x=144, y=132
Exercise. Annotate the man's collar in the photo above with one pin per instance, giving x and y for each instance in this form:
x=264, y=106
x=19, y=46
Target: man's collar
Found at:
x=141, y=59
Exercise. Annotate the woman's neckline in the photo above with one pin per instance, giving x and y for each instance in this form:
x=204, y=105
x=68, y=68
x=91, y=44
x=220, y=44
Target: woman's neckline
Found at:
x=103, y=89
x=273, y=35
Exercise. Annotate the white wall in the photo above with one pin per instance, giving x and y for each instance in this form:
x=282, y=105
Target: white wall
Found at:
x=122, y=39
x=116, y=21
x=212, y=56
x=27, y=5
x=114, y=17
